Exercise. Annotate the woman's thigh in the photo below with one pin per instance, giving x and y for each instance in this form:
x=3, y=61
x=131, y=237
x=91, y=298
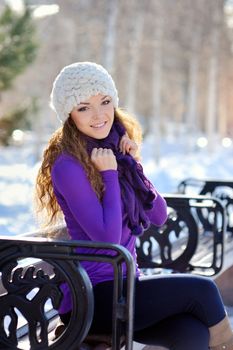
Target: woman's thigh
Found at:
x=161, y=297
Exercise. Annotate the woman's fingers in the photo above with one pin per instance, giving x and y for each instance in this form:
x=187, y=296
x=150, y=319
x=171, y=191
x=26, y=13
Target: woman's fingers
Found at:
x=128, y=146
x=104, y=159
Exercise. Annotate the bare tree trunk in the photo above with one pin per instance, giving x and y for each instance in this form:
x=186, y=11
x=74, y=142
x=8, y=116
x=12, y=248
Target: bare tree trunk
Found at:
x=222, y=122
x=156, y=121
x=211, y=117
x=133, y=63
x=192, y=98
x=110, y=38
x=192, y=117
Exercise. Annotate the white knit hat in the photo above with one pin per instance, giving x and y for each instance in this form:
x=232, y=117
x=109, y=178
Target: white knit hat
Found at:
x=77, y=83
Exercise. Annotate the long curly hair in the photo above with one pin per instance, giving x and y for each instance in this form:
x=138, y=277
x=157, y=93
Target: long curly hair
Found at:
x=69, y=139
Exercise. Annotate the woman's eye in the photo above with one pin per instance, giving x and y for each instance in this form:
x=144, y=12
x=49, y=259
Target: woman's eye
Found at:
x=82, y=109
x=106, y=102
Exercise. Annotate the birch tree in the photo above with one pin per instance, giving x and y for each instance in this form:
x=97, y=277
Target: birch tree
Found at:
x=137, y=22
x=109, y=47
x=157, y=88
x=212, y=96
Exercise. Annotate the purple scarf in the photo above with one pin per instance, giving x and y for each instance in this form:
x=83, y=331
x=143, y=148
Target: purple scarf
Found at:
x=136, y=190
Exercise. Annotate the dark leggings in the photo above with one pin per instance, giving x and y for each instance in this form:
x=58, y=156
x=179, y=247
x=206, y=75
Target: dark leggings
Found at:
x=173, y=311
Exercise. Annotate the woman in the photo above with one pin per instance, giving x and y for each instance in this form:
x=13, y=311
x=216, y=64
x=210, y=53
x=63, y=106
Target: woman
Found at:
x=90, y=172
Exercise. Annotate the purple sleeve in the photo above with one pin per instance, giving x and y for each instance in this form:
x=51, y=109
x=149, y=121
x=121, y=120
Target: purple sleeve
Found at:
x=158, y=214
x=101, y=221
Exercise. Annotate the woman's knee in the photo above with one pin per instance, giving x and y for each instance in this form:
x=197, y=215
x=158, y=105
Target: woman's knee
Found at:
x=206, y=303
x=188, y=333
x=207, y=287
x=180, y=332
x=209, y=293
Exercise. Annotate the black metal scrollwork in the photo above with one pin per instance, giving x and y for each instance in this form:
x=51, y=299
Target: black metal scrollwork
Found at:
x=223, y=190
x=27, y=289
x=180, y=230
x=175, y=245
x=18, y=284
x=225, y=194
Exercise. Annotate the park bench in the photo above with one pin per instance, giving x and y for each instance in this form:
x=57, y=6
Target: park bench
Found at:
x=38, y=265
x=221, y=189
x=182, y=244
x=31, y=272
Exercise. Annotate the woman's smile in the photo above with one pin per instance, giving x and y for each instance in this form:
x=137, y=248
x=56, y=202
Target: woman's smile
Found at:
x=94, y=117
x=99, y=125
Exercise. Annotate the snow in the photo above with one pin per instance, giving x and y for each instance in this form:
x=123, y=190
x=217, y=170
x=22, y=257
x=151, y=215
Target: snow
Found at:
x=178, y=162
x=17, y=176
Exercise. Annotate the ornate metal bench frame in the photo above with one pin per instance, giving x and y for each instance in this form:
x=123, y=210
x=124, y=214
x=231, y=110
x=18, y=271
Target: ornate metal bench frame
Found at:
x=156, y=248
x=221, y=189
x=64, y=260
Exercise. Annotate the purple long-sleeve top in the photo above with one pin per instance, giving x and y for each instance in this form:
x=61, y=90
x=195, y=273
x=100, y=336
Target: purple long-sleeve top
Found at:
x=91, y=220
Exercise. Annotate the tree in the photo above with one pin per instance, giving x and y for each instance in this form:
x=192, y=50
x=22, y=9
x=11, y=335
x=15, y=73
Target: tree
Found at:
x=18, y=48
x=17, y=45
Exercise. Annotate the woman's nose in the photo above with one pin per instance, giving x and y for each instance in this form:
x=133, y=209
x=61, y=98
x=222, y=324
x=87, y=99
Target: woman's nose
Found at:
x=97, y=113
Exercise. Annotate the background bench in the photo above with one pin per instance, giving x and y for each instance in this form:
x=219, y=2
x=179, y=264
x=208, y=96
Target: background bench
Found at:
x=183, y=244
x=221, y=189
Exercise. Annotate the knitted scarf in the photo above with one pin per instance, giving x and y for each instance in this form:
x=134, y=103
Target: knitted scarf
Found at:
x=136, y=190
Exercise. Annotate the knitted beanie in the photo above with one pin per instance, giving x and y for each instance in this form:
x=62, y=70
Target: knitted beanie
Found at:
x=76, y=83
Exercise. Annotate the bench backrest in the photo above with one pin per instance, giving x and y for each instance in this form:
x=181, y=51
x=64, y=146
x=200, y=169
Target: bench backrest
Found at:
x=183, y=244
x=221, y=189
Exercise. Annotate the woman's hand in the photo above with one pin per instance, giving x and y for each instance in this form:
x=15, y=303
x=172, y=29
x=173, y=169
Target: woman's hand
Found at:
x=103, y=159
x=128, y=146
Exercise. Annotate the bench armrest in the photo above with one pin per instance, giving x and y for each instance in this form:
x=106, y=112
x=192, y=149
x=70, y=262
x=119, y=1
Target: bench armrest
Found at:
x=32, y=270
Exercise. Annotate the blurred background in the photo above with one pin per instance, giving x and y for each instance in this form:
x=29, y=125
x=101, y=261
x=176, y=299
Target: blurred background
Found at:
x=172, y=61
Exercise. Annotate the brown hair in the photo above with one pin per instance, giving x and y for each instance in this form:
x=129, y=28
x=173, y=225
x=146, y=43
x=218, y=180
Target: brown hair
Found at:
x=69, y=139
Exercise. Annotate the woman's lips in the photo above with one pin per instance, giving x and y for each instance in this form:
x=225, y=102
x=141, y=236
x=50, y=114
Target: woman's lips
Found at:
x=99, y=125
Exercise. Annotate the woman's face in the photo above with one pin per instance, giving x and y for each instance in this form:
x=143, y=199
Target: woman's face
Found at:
x=94, y=117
